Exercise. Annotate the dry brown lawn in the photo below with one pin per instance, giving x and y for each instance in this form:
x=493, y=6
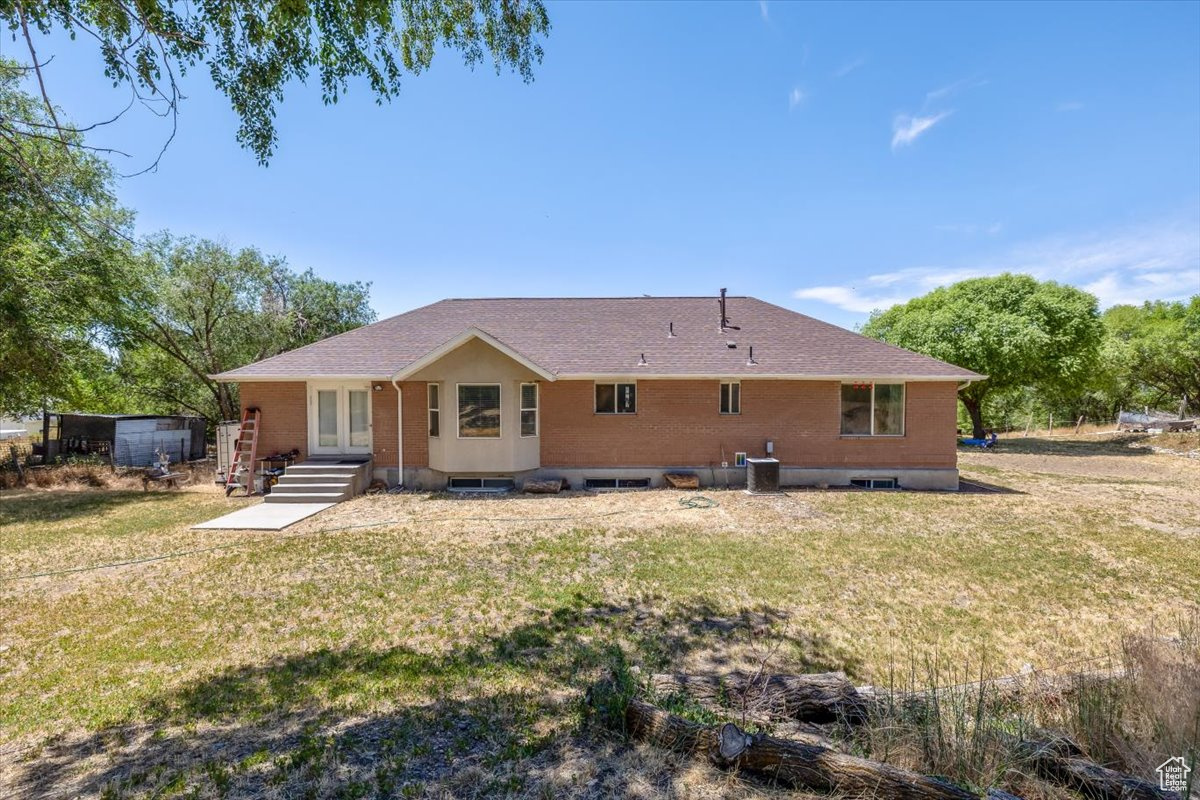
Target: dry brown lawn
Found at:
x=432, y=646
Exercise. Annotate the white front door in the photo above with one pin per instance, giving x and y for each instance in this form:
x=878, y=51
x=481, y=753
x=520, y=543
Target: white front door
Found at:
x=339, y=418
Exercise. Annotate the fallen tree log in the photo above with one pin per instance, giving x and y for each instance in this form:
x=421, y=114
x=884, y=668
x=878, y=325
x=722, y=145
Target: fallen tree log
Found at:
x=822, y=697
x=793, y=764
x=1061, y=762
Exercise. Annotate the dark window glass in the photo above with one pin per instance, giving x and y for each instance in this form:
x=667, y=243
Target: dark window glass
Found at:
x=856, y=409
x=731, y=398
x=479, y=411
x=606, y=398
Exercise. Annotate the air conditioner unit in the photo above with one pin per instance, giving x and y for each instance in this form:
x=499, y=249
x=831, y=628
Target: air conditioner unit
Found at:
x=762, y=475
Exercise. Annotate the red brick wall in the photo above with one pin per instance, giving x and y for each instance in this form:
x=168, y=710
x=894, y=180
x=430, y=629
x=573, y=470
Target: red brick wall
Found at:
x=284, y=407
x=677, y=424
x=416, y=430
x=383, y=425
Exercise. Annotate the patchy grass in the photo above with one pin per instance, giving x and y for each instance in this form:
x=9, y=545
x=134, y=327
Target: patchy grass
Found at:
x=419, y=645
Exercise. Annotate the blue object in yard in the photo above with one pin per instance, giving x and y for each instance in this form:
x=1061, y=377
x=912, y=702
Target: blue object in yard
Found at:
x=982, y=444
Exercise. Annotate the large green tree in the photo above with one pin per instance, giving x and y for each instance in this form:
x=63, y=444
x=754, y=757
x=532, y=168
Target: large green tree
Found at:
x=1152, y=353
x=64, y=256
x=204, y=308
x=252, y=49
x=1018, y=331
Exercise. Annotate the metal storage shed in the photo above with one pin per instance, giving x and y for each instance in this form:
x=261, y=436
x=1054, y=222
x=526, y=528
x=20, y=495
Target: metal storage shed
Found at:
x=129, y=440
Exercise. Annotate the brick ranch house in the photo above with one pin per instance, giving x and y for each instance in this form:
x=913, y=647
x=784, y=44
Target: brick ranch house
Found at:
x=474, y=393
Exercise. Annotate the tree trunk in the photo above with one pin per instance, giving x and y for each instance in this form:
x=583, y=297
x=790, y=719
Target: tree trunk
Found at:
x=975, y=412
x=800, y=766
x=825, y=697
x=226, y=406
x=1062, y=763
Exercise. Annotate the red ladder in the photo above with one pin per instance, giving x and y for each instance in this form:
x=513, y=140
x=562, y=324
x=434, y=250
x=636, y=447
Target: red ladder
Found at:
x=245, y=454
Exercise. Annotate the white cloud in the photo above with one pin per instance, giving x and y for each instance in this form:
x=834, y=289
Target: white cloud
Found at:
x=796, y=97
x=1152, y=262
x=764, y=10
x=848, y=67
x=1069, y=105
x=906, y=128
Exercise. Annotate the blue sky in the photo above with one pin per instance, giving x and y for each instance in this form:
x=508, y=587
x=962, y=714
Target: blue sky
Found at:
x=829, y=158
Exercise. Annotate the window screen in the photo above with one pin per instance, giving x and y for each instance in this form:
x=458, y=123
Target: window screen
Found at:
x=435, y=410
x=889, y=409
x=529, y=409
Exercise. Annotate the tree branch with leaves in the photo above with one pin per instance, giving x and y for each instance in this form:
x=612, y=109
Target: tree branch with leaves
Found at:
x=252, y=50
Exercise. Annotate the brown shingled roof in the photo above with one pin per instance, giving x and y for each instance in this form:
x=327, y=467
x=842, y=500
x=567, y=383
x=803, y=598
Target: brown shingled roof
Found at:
x=584, y=337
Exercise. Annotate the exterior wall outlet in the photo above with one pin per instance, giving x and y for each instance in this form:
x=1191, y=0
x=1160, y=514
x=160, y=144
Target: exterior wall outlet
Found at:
x=724, y=465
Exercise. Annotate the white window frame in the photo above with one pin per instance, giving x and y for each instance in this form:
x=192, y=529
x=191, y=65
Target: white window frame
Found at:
x=431, y=409
x=873, y=435
x=721, y=388
x=616, y=412
x=458, y=418
x=537, y=414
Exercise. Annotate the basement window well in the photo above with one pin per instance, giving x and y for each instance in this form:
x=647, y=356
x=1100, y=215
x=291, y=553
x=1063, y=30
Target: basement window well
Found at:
x=480, y=485
x=874, y=483
x=612, y=484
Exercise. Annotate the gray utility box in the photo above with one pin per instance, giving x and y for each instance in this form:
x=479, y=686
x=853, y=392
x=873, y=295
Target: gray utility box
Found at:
x=762, y=475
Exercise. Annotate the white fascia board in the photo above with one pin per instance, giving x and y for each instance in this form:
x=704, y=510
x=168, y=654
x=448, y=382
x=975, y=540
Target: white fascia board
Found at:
x=223, y=378
x=626, y=376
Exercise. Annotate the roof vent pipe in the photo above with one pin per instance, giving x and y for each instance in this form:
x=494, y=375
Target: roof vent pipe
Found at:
x=670, y=330
x=750, y=362
x=642, y=361
x=724, y=316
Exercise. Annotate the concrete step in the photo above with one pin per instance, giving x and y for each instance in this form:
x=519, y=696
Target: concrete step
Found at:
x=305, y=497
x=323, y=480
x=293, y=488
x=343, y=469
x=316, y=477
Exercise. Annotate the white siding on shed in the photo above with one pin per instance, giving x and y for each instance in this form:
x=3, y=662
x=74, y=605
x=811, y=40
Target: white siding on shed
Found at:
x=137, y=439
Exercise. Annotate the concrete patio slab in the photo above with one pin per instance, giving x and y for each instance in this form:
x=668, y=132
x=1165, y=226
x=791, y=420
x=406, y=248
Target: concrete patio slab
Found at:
x=264, y=516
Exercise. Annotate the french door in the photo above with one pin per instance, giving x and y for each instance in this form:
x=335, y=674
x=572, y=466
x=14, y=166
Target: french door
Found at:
x=339, y=418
